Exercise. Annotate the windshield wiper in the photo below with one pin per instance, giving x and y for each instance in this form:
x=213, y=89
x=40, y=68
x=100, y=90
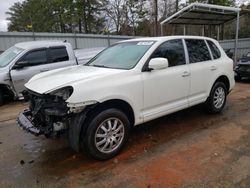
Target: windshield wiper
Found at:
x=103, y=66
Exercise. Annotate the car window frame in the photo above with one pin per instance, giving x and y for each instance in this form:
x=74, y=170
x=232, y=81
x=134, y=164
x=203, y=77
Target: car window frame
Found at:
x=50, y=57
x=33, y=50
x=145, y=66
x=211, y=50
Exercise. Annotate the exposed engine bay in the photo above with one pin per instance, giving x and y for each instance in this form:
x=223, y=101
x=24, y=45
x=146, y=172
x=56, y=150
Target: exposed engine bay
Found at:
x=48, y=114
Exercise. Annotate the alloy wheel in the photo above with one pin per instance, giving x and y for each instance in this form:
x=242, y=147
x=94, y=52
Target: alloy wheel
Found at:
x=109, y=135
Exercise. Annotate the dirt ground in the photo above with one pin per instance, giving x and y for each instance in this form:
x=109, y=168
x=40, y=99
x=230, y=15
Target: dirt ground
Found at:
x=187, y=149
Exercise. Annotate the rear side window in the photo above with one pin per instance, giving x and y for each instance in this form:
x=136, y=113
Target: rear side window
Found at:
x=197, y=50
x=172, y=50
x=214, y=49
x=58, y=54
x=36, y=57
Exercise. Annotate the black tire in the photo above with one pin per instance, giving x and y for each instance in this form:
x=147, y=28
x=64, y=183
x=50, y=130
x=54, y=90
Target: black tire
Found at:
x=211, y=105
x=89, y=139
x=237, y=78
x=1, y=98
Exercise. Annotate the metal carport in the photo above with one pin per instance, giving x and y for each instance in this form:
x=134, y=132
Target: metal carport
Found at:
x=205, y=14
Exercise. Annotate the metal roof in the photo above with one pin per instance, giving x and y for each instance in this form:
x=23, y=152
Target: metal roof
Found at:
x=206, y=14
x=203, y=14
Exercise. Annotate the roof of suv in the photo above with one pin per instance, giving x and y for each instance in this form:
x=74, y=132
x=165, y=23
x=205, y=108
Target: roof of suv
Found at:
x=39, y=44
x=167, y=38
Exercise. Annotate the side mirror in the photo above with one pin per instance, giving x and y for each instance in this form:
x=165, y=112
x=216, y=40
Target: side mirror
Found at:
x=21, y=64
x=158, y=63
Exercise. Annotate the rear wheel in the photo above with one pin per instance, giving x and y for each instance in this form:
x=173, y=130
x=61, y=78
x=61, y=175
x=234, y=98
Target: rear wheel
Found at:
x=217, y=98
x=106, y=134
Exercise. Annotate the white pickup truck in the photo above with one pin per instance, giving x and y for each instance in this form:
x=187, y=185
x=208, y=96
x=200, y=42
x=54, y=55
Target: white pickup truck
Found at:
x=24, y=60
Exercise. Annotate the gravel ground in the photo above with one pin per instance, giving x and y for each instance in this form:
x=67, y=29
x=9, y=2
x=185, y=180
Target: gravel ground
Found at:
x=187, y=149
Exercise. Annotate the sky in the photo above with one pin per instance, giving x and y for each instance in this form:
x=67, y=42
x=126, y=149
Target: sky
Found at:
x=6, y=4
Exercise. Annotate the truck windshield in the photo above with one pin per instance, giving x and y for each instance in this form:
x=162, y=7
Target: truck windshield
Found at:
x=10, y=54
x=123, y=55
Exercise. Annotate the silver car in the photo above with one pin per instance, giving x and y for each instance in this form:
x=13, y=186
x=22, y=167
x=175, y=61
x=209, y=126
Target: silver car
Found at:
x=24, y=60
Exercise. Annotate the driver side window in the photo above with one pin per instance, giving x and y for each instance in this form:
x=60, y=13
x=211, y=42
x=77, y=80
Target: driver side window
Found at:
x=172, y=50
x=36, y=57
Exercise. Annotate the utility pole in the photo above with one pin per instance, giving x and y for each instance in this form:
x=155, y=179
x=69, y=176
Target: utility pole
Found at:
x=32, y=27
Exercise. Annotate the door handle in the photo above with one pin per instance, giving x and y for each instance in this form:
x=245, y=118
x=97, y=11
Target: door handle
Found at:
x=44, y=70
x=213, y=68
x=185, y=74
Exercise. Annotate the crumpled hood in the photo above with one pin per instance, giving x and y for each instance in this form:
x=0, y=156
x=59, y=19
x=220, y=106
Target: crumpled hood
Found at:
x=52, y=80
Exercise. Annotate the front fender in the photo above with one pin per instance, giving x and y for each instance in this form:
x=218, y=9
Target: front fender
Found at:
x=77, y=125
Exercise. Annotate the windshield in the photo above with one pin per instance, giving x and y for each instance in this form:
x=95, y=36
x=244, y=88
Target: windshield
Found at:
x=122, y=55
x=248, y=55
x=10, y=54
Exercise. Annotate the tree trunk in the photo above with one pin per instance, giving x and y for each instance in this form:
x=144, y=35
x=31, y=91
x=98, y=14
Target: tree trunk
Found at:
x=80, y=25
x=88, y=16
x=156, y=17
x=85, y=17
x=176, y=5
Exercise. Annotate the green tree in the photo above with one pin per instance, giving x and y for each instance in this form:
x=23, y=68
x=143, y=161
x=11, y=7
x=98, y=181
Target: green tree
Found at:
x=57, y=16
x=90, y=15
x=31, y=15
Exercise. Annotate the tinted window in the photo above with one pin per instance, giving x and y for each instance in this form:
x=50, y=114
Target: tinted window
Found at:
x=172, y=50
x=197, y=50
x=58, y=54
x=36, y=57
x=215, y=51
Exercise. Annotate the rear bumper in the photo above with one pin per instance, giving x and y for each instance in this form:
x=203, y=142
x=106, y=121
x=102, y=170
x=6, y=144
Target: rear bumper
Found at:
x=25, y=123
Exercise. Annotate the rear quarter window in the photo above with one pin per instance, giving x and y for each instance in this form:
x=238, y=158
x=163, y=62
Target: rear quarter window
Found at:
x=58, y=54
x=197, y=50
x=214, y=49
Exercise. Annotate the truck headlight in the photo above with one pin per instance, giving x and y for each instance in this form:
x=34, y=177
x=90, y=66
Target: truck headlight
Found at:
x=64, y=93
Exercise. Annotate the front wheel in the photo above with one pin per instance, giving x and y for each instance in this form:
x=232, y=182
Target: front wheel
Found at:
x=106, y=134
x=217, y=98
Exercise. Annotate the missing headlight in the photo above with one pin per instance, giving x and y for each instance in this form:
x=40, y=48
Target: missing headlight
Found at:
x=63, y=93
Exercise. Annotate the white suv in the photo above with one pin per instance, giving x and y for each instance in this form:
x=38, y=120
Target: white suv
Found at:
x=127, y=84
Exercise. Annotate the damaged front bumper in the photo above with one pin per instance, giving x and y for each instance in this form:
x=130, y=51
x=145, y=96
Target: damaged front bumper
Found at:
x=26, y=124
x=51, y=116
x=52, y=129
x=47, y=115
